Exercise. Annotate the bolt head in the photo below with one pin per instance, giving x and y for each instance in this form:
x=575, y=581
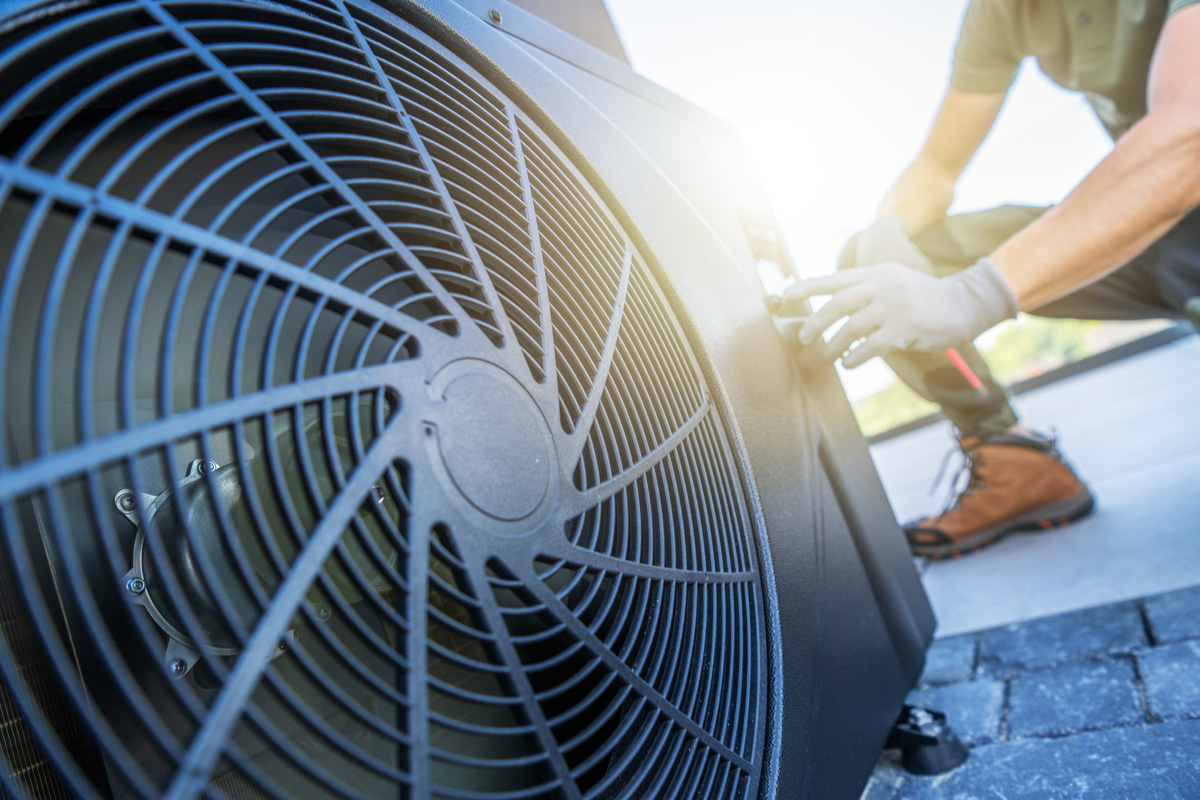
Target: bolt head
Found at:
x=324, y=614
x=494, y=15
x=135, y=586
x=178, y=667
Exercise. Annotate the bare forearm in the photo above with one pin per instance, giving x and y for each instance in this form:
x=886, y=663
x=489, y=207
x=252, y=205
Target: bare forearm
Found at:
x=921, y=195
x=1147, y=184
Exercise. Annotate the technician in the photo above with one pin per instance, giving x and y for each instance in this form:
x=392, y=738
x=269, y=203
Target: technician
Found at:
x=1124, y=244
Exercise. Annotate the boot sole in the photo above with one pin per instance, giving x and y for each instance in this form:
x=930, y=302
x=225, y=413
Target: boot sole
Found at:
x=1043, y=518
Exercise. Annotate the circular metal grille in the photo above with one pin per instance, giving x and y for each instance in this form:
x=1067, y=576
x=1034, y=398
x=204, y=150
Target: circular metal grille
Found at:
x=351, y=448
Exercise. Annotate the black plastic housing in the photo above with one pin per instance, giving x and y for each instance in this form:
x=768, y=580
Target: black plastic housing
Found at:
x=854, y=620
x=181, y=616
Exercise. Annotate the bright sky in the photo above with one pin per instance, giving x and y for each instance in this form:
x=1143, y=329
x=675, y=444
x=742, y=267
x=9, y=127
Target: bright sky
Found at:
x=833, y=99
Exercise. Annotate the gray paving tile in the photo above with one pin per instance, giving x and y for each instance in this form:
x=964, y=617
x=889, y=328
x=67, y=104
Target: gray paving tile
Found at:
x=1152, y=762
x=1171, y=674
x=1060, y=639
x=1073, y=698
x=1175, y=616
x=973, y=708
x=949, y=660
x=886, y=779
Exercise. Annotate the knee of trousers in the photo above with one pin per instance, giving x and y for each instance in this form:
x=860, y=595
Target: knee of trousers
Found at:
x=1177, y=277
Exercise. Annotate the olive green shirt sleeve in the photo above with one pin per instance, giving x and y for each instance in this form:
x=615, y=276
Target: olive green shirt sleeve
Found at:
x=987, y=54
x=1175, y=5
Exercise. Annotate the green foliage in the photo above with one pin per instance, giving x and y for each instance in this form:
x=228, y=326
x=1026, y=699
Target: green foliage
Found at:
x=1034, y=345
x=1023, y=349
x=891, y=407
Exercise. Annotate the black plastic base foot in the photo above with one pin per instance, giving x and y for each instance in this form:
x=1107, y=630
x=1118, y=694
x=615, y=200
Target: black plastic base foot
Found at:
x=927, y=744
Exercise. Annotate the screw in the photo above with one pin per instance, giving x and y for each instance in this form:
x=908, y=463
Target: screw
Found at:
x=283, y=645
x=125, y=501
x=178, y=667
x=324, y=614
x=135, y=586
x=429, y=430
x=494, y=16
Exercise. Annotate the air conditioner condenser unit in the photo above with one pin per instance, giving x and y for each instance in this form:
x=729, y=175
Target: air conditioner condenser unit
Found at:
x=391, y=411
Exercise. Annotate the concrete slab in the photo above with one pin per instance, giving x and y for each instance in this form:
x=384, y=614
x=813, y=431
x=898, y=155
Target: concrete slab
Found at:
x=1132, y=431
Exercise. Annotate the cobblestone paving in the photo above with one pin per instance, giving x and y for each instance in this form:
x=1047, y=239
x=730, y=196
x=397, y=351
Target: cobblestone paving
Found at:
x=1092, y=705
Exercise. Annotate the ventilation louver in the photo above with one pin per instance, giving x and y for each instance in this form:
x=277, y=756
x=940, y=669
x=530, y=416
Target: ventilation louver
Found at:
x=351, y=447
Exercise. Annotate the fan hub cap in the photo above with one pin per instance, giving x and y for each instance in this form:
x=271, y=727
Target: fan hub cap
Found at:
x=492, y=440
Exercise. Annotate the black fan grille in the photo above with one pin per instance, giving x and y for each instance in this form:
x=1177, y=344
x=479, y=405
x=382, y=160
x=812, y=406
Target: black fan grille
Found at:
x=311, y=334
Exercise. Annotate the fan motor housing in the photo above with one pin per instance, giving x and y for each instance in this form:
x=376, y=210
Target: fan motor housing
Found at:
x=391, y=411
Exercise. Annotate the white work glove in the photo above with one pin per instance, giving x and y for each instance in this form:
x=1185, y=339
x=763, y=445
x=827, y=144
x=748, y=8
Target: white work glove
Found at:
x=893, y=307
x=887, y=240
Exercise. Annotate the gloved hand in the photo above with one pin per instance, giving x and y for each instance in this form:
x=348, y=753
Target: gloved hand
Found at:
x=893, y=307
x=887, y=240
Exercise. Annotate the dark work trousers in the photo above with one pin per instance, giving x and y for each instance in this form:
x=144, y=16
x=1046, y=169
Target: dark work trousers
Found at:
x=1155, y=284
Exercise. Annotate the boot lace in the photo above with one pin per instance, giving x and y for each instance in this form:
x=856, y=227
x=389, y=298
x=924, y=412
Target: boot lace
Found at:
x=969, y=470
x=965, y=481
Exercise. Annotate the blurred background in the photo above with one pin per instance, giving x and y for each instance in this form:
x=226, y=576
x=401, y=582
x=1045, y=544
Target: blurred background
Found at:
x=832, y=101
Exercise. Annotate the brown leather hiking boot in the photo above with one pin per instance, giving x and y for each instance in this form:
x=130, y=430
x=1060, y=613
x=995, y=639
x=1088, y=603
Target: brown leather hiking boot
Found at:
x=1016, y=483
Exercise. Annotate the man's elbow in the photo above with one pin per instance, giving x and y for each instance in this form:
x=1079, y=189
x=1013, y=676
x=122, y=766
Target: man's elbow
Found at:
x=1182, y=119
x=1176, y=131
